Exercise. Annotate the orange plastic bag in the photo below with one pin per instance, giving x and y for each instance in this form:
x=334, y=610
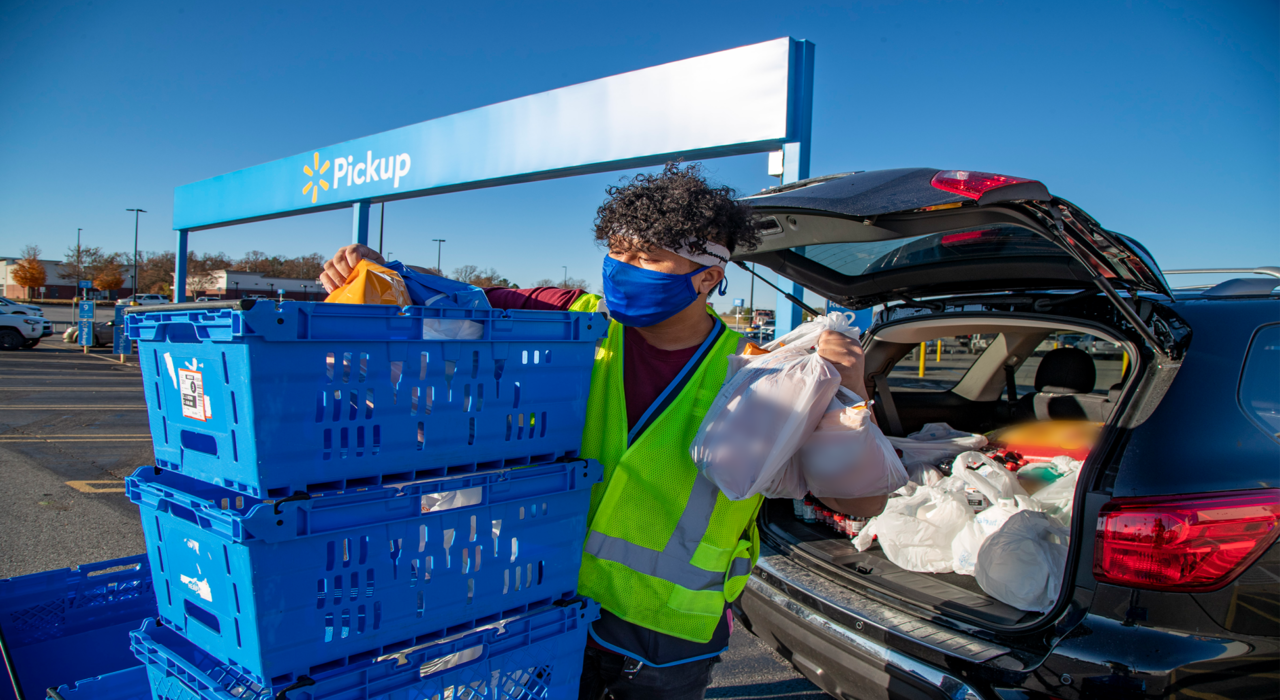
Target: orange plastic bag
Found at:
x=370, y=283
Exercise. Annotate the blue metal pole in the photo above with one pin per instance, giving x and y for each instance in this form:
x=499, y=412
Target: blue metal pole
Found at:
x=795, y=167
x=180, y=269
x=360, y=223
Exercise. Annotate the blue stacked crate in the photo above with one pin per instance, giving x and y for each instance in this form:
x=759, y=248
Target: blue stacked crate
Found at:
x=333, y=489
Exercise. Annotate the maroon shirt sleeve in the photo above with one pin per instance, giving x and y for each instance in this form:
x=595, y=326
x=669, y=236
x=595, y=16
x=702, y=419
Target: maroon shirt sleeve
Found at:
x=535, y=298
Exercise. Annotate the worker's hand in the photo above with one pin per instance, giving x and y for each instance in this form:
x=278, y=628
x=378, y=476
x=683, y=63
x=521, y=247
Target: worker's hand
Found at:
x=344, y=261
x=846, y=354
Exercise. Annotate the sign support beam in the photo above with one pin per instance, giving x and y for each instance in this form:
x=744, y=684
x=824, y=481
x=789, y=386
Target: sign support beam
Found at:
x=179, y=269
x=795, y=167
x=360, y=223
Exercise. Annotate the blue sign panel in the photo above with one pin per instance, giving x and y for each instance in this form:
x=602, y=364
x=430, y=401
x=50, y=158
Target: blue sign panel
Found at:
x=737, y=302
x=744, y=100
x=86, y=284
x=120, y=344
x=861, y=318
x=84, y=314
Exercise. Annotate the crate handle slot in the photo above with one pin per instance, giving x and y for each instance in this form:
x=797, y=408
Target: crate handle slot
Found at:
x=180, y=333
x=200, y=442
x=202, y=616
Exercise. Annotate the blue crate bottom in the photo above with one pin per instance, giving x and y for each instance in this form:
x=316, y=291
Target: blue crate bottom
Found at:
x=535, y=656
x=129, y=684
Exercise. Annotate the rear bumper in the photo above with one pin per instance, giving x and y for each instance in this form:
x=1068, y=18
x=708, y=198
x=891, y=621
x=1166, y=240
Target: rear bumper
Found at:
x=849, y=645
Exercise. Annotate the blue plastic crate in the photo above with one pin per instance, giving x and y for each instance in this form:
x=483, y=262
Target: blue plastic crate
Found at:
x=63, y=625
x=129, y=684
x=281, y=587
x=534, y=656
x=274, y=398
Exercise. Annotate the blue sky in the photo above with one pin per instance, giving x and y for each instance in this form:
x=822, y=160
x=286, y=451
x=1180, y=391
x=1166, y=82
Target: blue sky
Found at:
x=1160, y=119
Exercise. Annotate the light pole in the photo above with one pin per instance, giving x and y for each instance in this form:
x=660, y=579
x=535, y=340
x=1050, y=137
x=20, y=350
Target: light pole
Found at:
x=237, y=284
x=136, y=212
x=79, y=272
x=439, y=242
x=566, y=275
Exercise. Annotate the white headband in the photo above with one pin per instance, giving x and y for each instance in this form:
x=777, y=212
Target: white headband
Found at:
x=716, y=255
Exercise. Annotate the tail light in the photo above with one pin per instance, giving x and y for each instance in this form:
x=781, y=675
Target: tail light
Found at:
x=967, y=237
x=971, y=184
x=1188, y=544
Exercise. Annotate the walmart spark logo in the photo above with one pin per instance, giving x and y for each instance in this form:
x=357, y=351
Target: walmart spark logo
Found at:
x=311, y=184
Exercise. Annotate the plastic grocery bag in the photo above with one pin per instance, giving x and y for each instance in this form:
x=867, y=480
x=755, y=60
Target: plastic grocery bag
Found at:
x=371, y=283
x=964, y=548
x=767, y=407
x=1057, y=498
x=1022, y=563
x=435, y=291
x=789, y=483
x=935, y=443
x=760, y=418
x=916, y=531
x=847, y=456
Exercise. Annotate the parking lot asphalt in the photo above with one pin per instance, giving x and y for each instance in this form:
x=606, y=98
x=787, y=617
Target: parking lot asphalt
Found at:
x=72, y=426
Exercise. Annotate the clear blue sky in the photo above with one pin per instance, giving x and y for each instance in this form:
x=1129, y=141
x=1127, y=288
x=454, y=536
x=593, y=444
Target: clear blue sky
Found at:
x=1160, y=119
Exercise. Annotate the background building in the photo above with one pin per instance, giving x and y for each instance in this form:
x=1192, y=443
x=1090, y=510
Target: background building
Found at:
x=234, y=284
x=56, y=285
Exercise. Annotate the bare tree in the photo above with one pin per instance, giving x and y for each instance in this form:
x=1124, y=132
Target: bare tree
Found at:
x=570, y=283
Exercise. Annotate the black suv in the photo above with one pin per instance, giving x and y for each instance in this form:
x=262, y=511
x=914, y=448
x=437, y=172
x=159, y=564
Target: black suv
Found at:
x=1171, y=584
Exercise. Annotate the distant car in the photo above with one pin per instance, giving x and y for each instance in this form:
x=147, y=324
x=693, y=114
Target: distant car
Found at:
x=19, y=331
x=10, y=306
x=143, y=300
x=209, y=299
x=103, y=334
x=256, y=296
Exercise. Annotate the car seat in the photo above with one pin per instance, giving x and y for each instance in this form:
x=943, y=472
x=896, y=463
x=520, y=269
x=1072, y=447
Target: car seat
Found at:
x=1063, y=384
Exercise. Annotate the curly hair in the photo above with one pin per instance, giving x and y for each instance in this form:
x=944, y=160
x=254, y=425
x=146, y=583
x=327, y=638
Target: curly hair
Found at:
x=672, y=208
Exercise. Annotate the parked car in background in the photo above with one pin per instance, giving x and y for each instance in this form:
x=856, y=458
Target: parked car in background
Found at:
x=1164, y=577
x=10, y=306
x=143, y=300
x=209, y=299
x=103, y=334
x=18, y=331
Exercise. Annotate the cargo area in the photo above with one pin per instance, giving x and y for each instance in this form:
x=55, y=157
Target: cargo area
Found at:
x=935, y=374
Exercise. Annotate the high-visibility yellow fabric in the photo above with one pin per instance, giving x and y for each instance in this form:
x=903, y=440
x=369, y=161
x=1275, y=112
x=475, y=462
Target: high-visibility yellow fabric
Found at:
x=644, y=570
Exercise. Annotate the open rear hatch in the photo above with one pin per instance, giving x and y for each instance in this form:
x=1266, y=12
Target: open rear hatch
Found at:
x=864, y=239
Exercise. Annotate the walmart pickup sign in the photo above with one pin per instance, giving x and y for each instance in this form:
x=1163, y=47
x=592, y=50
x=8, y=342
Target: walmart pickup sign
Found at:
x=745, y=100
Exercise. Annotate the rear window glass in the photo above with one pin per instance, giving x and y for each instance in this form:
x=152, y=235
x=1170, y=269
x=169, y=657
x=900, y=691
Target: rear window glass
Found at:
x=946, y=360
x=863, y=258
x=1260, y=381
x=1109, y=361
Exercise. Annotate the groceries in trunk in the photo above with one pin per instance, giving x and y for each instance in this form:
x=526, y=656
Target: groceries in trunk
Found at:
x=996, y=507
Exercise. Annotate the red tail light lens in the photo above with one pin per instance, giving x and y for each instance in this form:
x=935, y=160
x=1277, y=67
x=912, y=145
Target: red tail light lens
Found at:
x=971, y=184
x=1192, y=544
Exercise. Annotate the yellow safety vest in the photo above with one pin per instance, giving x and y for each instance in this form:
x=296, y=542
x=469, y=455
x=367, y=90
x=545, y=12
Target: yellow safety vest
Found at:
x=665, y=548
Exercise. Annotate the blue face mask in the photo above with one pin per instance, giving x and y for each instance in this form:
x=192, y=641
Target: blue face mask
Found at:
x=638, y=297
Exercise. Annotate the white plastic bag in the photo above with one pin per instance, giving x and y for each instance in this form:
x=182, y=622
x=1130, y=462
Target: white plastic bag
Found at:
x=985, y=481
x=916, y=531
x=1057, y=498
x=847, y=456
x=451, y=329
x=789, y=483
x=964, y=548
x=765, y=410
x=1022, y=563
x=935, y=443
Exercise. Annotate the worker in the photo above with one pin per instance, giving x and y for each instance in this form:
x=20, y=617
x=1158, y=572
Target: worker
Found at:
x=665, y=551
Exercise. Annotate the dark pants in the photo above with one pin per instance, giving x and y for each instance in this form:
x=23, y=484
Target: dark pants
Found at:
x=602, y=671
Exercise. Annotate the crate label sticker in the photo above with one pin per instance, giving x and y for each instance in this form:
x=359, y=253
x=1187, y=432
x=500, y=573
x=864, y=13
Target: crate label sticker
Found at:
x=194, y=403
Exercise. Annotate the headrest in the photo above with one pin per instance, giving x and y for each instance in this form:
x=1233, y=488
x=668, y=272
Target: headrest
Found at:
x=1066, y=371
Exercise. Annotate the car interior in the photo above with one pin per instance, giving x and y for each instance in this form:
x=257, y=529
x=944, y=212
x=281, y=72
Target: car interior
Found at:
x=969, y=389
